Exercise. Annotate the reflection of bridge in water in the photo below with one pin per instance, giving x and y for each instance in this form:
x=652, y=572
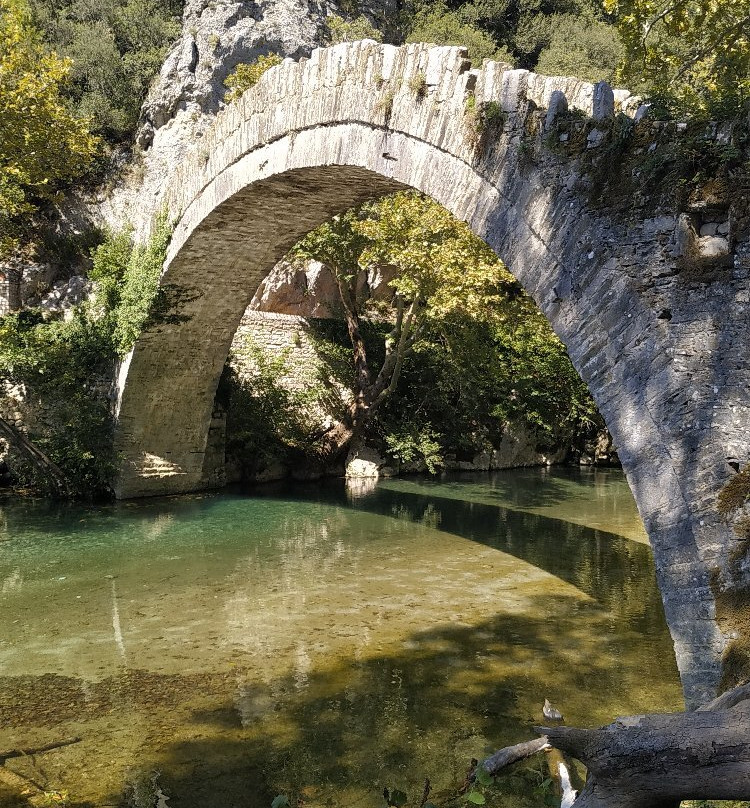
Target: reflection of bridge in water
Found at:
x=653, y=314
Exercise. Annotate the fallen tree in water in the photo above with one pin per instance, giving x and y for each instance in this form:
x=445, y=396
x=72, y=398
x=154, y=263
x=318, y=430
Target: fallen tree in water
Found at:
x=657, y=760
x=45, y=468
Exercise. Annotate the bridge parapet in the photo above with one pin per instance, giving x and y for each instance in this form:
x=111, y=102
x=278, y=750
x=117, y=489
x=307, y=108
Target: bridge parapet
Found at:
x=421, y=90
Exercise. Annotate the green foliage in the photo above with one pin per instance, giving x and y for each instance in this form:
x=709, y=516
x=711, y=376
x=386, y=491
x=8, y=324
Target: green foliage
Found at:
x=139, y=292
x=483, y=354
x=63, y=363
x=267, y=420
x=116, y=49
x=468, y=379
x=418, y=84
x=42, y=145
x=127, y=282
x=339, y=29
x=580, y=46
x=280, y=801
x=59, y=362
x=437, y=24
x=691, y=55
x=482, y=120
x=415, y=442
x=439, y=261
x=245, y=76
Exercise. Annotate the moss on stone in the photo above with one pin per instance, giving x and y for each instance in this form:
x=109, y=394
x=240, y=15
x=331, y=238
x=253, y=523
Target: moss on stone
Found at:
x=735, y=493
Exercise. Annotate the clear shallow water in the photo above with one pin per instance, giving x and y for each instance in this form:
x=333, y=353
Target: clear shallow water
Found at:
x=321, y=645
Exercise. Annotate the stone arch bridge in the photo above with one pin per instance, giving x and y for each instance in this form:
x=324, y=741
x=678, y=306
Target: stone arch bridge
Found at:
x=651, y=301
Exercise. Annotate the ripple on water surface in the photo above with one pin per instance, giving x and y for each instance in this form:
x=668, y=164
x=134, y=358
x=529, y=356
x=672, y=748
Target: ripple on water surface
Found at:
x=222, y=649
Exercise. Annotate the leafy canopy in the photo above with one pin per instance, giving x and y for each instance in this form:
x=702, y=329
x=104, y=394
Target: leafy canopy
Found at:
x=692, y=54
x=42, y=143
x=116, y=47
x=439, y=260
x=340, y=30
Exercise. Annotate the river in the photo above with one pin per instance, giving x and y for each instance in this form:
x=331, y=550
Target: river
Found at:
x=217, y=650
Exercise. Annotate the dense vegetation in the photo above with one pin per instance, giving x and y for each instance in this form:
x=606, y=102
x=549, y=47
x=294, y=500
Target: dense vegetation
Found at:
x=441, y=367
x=42, y=144
x=115, y=47
x=65, y=364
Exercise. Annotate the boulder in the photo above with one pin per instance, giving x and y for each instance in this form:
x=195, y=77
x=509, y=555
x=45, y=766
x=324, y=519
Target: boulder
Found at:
x=363, y=462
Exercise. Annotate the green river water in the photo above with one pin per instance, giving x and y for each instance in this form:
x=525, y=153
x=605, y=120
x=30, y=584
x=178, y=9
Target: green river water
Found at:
x=217, y=650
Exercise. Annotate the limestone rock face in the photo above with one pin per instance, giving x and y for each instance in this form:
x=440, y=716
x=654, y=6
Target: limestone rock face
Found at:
x=363, y=462
x=310, y=290
x=217, y=35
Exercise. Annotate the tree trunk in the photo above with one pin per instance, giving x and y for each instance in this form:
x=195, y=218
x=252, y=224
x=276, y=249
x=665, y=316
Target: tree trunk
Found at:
x=655, y=761
x=49, y=470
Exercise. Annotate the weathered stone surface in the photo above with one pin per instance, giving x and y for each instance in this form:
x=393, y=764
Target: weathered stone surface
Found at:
x=315, y=137
x=604, y=102
x=363, y=461
x=216, y=37
x=558, y=105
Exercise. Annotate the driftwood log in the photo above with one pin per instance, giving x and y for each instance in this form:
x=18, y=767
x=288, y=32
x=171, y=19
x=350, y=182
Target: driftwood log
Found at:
x=49, y=470
x=657, y=760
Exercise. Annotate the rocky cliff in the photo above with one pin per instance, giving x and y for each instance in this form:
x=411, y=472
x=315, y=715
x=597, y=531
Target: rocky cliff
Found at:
x=217, y=35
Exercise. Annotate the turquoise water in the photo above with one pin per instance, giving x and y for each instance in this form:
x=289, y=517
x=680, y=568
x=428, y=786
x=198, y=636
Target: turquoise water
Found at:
x=217, y=650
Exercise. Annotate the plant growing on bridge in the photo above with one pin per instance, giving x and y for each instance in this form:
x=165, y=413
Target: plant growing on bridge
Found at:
x=245, y=76
x=127, y=283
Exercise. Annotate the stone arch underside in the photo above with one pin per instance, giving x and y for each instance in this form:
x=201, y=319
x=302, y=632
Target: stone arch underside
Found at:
x=316, y=137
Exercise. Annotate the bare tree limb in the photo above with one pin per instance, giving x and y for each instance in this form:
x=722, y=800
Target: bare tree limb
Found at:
x=511, y=754
x=33, y=454
x=35, y=750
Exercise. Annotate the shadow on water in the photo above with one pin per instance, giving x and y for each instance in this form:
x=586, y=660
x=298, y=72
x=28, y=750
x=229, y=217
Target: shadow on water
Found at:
x=616, y=571
x=333, y=729
x=342, y=732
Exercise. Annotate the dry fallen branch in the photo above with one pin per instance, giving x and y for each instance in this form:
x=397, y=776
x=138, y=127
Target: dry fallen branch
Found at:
x=512, y=754
x=655, y=761
x=15, y=753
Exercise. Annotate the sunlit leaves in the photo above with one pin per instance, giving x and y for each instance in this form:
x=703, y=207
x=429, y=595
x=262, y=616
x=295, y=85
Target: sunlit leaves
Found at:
x=695, y=53
x=245, y=76
x=439, y=259
x=41, y=143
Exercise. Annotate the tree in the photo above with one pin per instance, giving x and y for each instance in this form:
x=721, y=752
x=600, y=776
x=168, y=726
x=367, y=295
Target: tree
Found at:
x=692, y=54
x=577, y=45
x=116, y=49
x=437, y=24
x=440, y=269
x=42, y=144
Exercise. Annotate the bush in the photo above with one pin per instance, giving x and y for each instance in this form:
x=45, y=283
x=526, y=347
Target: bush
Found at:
x=438, y=25
x=116, y=49
x=66, y=364
x=246, y=76
x=340, y=30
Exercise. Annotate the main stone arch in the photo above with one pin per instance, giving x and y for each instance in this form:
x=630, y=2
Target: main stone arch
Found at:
x=361, y=120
